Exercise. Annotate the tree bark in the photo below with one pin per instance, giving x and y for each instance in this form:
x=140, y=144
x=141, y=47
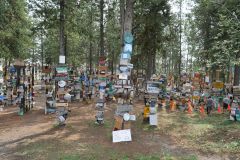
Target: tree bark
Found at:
x=122, y=15
x=62, y=41
x=101, y=28
x=128, y=16
x=236, y=73
x=90, y=38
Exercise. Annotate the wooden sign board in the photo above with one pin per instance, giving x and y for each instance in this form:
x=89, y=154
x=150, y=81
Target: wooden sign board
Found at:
x=102, y=68
x=61, y=104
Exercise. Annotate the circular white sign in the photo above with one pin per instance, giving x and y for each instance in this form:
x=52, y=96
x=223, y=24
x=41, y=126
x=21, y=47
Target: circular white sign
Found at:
x=126, y=117
x=61, y=83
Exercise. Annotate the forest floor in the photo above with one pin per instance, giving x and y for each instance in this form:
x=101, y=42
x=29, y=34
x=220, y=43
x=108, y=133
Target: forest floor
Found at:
x=178, y=136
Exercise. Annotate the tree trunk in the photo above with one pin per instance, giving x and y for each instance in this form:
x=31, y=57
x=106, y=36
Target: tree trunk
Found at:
x=128, y=16
x=101, y=28
x=236, y=75
x=90, y=38
x=122, y=15
x=62, y=41
x=42, y=48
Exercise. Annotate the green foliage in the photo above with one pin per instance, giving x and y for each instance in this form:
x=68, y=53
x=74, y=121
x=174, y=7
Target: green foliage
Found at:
x=218, y=26
x=15, y=34
x=151, y=18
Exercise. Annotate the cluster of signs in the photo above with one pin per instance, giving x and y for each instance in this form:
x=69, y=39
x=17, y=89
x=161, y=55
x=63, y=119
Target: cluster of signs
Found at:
x=125, y=65
x=102, y=77
x=61, y=73
x=122, y=124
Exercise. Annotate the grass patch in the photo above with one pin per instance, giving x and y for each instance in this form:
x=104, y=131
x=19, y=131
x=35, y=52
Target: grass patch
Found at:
x=214, y=133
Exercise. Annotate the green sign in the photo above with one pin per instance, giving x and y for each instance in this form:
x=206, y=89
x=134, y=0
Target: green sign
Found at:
x=128, y=37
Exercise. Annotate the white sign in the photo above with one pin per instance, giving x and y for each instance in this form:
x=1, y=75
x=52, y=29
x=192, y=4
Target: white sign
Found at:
x=132, y=118
x=153, y=119
x=121, y=136
x=128, y=48
x=153, y=87
x=103, y=84
x=207, y=79
x=61, y=83
x=123, y=61
x=123, y=76
x=130, y=66
x=62, y=59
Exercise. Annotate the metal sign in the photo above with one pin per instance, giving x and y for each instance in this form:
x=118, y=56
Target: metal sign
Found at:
x=128, y=37
x=124, y=61
x=125, y=56
x=128, y=48
x=153, y=87
x=61, y=83
x=130, y=66
x=124, y=68
x=123, y=76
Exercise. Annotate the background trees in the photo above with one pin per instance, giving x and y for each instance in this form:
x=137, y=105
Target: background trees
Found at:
x=93, y=27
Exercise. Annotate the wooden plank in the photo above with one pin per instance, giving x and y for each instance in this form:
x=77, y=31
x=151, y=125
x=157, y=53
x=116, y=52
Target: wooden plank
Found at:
x=102, y=68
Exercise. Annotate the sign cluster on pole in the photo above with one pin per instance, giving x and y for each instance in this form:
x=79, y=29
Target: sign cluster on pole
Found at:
x=123, y=115
x=102, y=77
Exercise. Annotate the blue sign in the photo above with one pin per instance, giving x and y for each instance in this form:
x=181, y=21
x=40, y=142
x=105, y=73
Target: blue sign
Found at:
x=128, y=37
x=12, y=69
x=82, y=77
x=125, y=56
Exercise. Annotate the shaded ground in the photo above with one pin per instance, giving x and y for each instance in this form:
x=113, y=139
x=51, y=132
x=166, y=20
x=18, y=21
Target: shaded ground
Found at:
x=34, y=136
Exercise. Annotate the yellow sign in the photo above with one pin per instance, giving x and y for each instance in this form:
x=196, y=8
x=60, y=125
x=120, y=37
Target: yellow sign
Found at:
x=196, y=97
x=218, y=85
x=146, y=112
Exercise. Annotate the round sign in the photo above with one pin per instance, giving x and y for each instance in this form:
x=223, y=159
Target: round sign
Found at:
x=128, y=37
x=61, y=83
x=126, y=117
x=67, y=96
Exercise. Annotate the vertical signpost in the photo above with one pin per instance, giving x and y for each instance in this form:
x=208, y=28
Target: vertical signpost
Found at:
x=123, y=115
x=102, y=77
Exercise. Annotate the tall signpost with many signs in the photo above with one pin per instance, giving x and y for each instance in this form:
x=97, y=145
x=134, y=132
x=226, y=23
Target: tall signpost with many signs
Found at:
x=102, y=77
x=122, y=127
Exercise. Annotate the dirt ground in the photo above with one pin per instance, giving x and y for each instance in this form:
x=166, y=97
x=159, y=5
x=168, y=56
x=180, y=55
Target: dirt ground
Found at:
x=35, y=137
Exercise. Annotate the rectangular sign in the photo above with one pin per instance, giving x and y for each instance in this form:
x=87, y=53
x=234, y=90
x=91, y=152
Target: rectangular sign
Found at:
x=124, y=62
x=128, y=48
x=62, y=59
x=123, y=76
x=125, y=56
x=130, y=66
x=153, y=87
x=122, y=136
x=153, y=120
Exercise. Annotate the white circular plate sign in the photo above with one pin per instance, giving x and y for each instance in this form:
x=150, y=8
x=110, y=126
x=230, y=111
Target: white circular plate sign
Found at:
x=61, y=83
